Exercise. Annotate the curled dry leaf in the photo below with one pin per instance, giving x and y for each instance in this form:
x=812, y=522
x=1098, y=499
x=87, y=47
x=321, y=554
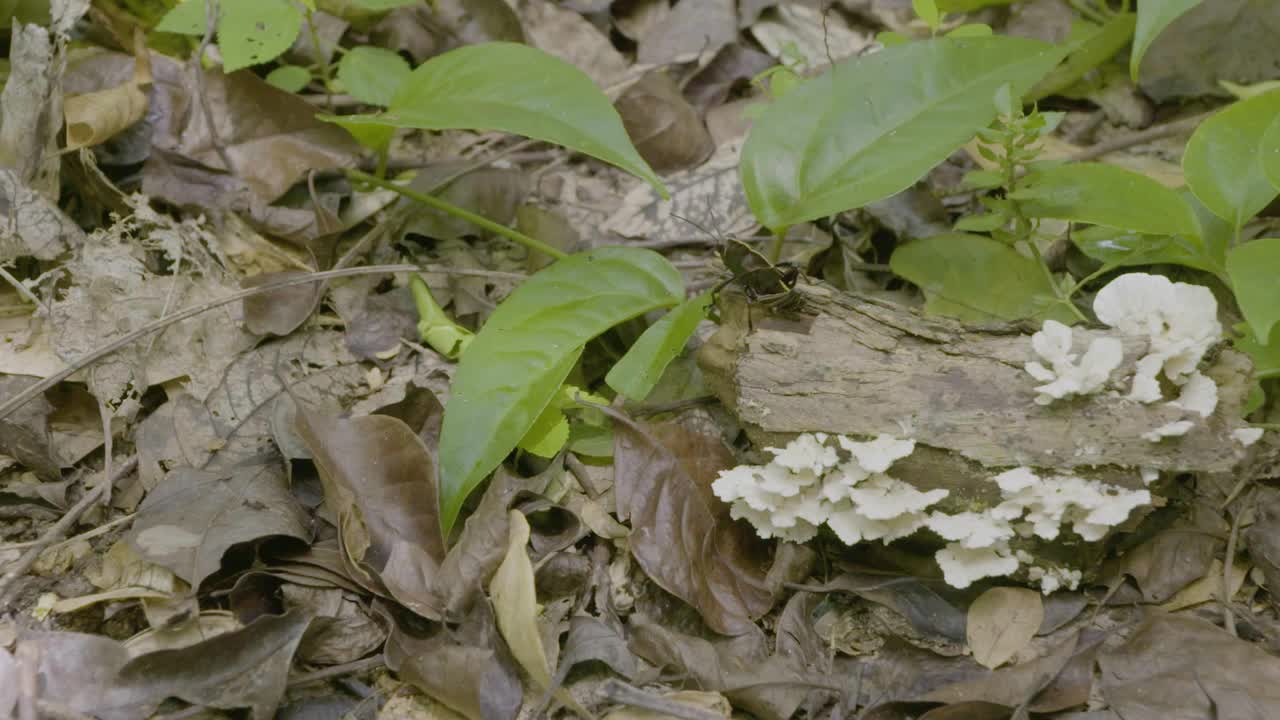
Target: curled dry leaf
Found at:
x=665, y=128
x=734, y=65
x=380, y=484
x=94, y=675
x=1002, y=622
x=193, y=517
x=681, y=534
x=95, y=117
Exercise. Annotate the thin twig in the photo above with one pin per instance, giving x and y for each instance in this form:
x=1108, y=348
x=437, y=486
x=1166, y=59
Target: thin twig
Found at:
x=92, y=357
x=619, y=692
x=23, y=291
x=62, y=527
x=355, y=666
x=197, y=67
x=1228, y=563
x=1141, y=137
x=102, y=529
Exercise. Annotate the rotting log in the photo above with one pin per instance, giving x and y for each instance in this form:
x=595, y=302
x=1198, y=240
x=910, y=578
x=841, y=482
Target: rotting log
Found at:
x=855, y=365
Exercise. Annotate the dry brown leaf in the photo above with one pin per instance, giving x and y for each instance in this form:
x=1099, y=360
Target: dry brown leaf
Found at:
x=193, y=517
x=1164, y=564
x=693, y=27
x=24, y=434
x=468, y=670
x=664, y=127
x=681, y=534
x=31, y=108
x=1208, y=587
x=1189, y=58
x=380, y=485
x=279, y=312
x=735, y=65
x=1180, y=667
x=1001, y=622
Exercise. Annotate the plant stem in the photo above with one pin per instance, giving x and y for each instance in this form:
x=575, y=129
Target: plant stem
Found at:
x=775, y=248
x=514, y=236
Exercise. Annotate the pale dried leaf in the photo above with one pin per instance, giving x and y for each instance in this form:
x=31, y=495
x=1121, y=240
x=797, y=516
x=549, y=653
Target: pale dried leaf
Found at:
x=691, y=28
x=515, y=603
x=572, y=38
x=30, y=224
x=819, y=34
x=710, y=195
x=664, y=127
x=1001, y=622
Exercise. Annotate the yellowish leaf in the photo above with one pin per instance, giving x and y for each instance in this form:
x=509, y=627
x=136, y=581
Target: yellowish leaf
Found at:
x=1001, y=622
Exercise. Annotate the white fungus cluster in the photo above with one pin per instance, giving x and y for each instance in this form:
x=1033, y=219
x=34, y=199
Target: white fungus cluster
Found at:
x=810, y=483
x=1070, y=373
x=1179, y=321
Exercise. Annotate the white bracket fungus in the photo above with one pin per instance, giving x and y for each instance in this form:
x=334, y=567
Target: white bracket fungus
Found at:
x=1066, y=375
x=1247, y=436
x=1179, y=321
x=809, y=483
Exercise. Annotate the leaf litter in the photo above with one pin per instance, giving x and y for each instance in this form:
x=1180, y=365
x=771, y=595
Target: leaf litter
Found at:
x=281, y=528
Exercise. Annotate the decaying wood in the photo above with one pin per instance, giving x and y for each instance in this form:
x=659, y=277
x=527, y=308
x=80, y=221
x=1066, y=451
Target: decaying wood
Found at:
x=858, y=366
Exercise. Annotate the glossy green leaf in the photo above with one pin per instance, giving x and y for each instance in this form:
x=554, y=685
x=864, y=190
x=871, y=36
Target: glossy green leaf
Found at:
x=289, y=78
x=1102, y=194
x=1123, y=248
x=512, y=88
x=249, y=31
x=1223, y=163
x=1270, y=152
x=873, y=125
x=640, y=369
x=372, y=74
x=1086, y=54
x=975, y=278
x=521, y=356
x=1153, y=17
x=1254, y=269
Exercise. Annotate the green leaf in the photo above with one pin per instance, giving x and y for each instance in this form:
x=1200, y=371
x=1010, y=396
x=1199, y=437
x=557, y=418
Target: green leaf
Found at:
x=1266, y=358
x=1091, y=51
x=1153, y=17
x=956, y=6
x=372, y=74
x=289, y=78
x=1254, y=269
x=383, y=4
x=1122, y=248
x=1102, y=194
x=521, y=356
x=1223, y=163
x=873, y=125
x=511, y=88
x=1270, y=152
x=975, y=278
x=927, y=10
x=249, y=31
x=640, y=369
x=971, y=30
x=548, y=434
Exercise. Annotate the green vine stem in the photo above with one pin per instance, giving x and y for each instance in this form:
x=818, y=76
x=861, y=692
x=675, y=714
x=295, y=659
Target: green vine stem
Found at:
x=514, y=236
x=775, y=247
